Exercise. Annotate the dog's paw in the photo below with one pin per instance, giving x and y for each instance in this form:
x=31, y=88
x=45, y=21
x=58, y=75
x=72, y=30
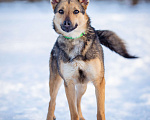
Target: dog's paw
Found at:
x=81, y=118
x=54, y=118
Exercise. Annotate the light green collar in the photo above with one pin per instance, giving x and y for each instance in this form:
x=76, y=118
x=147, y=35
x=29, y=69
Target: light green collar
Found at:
x=75, y=37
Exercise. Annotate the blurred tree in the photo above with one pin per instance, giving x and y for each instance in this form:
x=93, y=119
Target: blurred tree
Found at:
x=134, y=2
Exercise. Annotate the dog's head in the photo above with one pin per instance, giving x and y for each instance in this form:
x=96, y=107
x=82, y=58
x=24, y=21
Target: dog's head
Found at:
x=70, y=17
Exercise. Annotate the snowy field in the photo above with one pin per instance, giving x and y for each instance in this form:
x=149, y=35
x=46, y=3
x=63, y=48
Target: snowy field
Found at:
x=26, y=39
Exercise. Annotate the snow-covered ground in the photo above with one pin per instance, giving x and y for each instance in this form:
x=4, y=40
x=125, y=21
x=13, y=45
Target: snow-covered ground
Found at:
x=26, y=39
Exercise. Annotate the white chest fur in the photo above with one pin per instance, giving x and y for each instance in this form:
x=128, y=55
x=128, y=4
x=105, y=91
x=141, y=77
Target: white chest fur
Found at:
x=77, y=49
x=91, y=70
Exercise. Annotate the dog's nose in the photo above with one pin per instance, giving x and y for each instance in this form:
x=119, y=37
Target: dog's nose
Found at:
x=67, y=23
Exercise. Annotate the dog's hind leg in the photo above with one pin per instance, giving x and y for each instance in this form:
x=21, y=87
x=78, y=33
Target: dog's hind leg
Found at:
x=100, y=96
x=81, y=88
x=71, y=97
x=55, y=82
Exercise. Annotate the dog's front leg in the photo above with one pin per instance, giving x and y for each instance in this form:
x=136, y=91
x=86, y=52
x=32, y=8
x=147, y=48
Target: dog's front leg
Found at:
x=81, y=88
x=71, y=97
x=54, y=83
x=100, y=96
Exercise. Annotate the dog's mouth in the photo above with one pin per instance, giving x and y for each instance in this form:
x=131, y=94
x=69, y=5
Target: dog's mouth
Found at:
x=68, y=28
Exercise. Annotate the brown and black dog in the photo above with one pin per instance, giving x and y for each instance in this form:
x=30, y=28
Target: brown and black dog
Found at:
x=77, y=57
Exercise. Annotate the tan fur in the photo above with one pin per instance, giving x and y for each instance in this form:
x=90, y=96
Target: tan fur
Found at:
x=81, y=88
x=85, y=3
x=69, y=8
x=100, y=96
x=54, y=84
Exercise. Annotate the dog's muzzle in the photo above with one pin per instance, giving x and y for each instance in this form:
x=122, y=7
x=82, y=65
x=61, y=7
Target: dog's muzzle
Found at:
x=67, y=26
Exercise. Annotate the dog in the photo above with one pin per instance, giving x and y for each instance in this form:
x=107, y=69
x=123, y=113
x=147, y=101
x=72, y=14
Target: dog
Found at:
x=77, y=57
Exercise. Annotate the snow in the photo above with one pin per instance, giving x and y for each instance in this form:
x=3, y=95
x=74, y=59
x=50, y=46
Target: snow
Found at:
x=26, y=39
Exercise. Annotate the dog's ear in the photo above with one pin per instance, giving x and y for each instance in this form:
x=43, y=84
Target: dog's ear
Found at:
x=84, y=3
x=54, y=3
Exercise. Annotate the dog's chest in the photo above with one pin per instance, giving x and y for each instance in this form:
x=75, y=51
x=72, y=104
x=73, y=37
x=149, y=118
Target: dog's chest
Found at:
x=72, y=48
x=77, y=48
x=81, y=71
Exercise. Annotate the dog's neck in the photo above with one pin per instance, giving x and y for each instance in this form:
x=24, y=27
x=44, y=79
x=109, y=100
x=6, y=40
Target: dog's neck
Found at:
x=77, y=47
x=77, y=33
x=75, y=37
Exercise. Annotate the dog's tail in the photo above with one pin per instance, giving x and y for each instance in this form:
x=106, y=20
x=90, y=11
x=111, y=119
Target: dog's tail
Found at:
x=113, y=42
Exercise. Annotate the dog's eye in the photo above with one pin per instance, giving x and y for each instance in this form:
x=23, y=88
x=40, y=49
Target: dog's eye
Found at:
x=61, y=11
x=76, y=12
